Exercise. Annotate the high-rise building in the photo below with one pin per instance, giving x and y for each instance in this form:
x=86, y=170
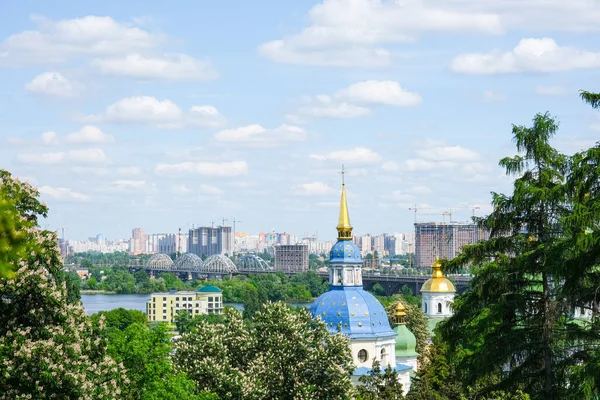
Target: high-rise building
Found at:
x=209, y=241
x=379, y=245
x=366, y=245
x=291, y=257
x=444, y=240
x=138, y=242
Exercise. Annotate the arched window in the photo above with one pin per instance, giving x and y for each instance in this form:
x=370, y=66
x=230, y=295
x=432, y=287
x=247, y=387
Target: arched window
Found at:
x=439, y=308
x=383, y=358
x=363, y=356
x=425, y=308
x=582, y=311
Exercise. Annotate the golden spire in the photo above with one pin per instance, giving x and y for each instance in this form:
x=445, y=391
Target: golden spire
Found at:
x=400, y=314
x=344, y=228
x=437, y=268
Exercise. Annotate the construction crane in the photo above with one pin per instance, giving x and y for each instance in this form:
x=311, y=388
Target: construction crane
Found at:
x=420, y=208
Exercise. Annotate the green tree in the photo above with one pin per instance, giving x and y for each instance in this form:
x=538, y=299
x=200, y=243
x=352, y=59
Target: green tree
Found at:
x=380, y=385
x=119, y=318
x=144, y=352
x=72, y=284
x=378, y=290
x=282, y=354
x=509, y=326
x=416, y=322
x=91, y=284
x=48, y=347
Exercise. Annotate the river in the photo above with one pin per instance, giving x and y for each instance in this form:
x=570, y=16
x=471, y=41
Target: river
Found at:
x=106, y=302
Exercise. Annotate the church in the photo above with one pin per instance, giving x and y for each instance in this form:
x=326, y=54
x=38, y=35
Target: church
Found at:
x=356, y=313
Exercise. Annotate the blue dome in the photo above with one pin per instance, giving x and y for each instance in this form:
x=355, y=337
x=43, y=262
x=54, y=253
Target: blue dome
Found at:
x=345, y=251
x=358, y=313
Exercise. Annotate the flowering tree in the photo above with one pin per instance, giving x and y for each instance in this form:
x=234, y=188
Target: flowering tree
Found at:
x=280, y=354
x=48, y=347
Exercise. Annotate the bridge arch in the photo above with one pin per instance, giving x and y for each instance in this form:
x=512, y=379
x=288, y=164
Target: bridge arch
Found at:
x=252, y=262
x=219, y=264
x=189, y=262
x=161, y=262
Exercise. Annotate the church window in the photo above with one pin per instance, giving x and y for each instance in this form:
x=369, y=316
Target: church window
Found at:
x=582, y=311
x=425, y=307
x=439, y=308
x=383, y=357
x=363, y=356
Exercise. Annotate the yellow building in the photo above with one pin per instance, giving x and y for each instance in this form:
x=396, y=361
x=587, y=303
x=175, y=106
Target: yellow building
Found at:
x=163, y=307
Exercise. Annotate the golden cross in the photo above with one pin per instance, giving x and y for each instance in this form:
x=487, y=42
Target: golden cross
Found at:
x=343, y=172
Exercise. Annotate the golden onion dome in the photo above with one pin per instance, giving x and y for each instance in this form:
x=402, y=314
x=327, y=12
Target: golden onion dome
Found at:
x=438, y=283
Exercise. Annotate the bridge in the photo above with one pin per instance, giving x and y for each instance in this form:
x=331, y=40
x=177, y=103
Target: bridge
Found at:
x=219, y=265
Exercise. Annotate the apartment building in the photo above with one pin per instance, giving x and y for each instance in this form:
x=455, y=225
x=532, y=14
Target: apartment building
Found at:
x=163, y=307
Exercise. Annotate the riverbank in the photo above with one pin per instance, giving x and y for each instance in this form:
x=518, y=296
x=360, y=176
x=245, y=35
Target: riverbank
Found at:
x=97, y=292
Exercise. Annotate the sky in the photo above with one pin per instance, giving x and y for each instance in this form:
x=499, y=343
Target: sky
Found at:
x=164, y=115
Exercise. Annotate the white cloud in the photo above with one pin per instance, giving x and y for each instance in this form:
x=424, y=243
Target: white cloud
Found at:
x=257, y=136
x=358, y=155
x=62, y=193
x=180, y=189
x=324, y=107
x=49, y=138
x=129, y=171
x=52, y=84
x=355, y=32
x=379, y=92
x=550, y=90
x=176, y=67
x=341, y=104
x=314, y=189
x=351, y=32
x=530, y=55
x=204, y=117
x=286, y=51
x=217, y=169
x=81, y=156
x=159, y=113
x=448, y=153
x=57, y=41
x=89, y=134
x=143, y=109
x=391, y=166
x=210, y=190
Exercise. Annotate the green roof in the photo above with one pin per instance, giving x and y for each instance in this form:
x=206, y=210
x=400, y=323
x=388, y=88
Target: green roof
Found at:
x=209, y=289
x=432, y=323
x=405, y=342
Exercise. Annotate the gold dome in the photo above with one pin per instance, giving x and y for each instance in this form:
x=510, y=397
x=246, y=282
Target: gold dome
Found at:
x=400, y=313
x=438, y=282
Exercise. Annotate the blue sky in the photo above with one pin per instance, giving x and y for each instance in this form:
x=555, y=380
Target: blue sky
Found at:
x=161, y=115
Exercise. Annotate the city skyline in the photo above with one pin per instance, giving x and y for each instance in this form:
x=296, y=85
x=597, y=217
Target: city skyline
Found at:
x=165, y=116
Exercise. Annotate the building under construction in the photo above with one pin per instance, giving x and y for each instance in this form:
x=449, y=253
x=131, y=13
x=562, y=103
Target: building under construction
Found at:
x=444, y=239
x=291, y=257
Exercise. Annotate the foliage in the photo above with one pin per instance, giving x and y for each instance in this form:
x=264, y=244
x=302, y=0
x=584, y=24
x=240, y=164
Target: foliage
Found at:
x=119, y=318
x=512, y=330
x=378, y=290
x=72, y=284
x=282, y=354
x=185, y=322
x=144, y=353
x=592, y=99
x=416, y=322
x=48, y=347
x=380, y=386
